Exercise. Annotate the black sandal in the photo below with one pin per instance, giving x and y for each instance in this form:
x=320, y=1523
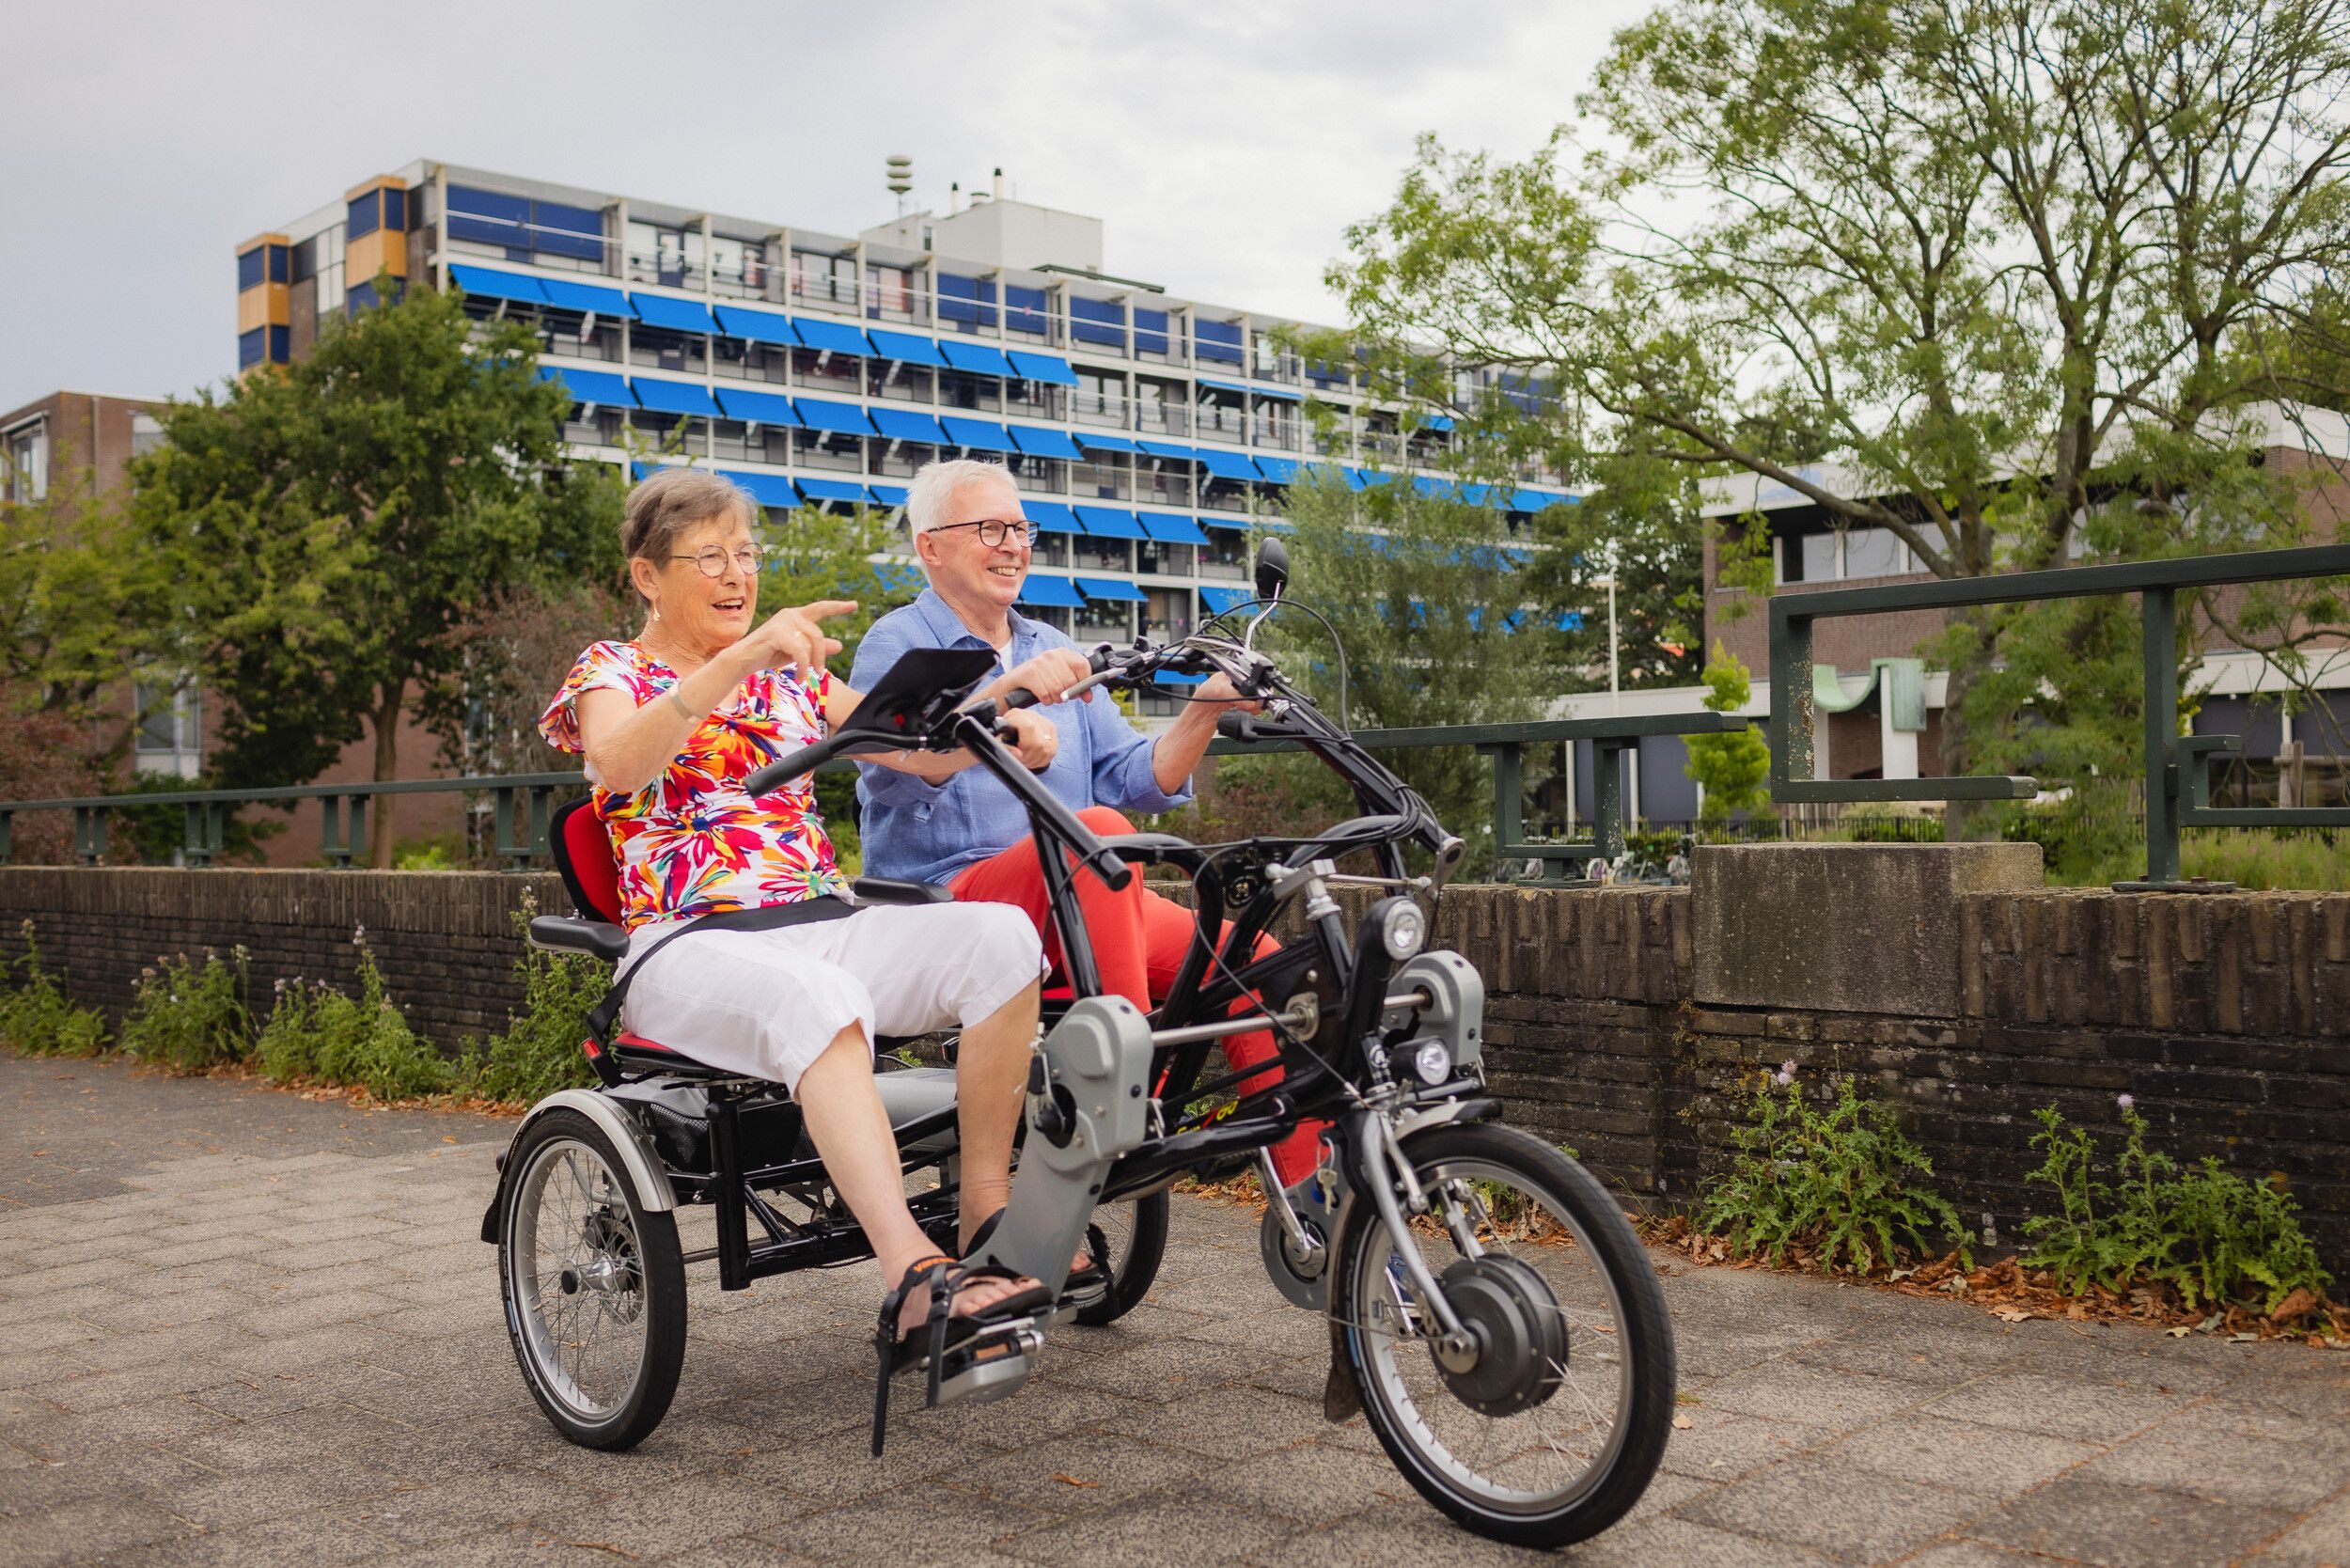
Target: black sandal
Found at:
x=941, y=1330
x=1092, y=1279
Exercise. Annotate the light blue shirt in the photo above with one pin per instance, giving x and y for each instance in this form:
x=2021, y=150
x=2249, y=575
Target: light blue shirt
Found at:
x=923, y=832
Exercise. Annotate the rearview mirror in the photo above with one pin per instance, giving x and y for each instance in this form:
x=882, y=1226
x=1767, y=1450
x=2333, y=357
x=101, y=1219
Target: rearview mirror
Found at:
x=1273, y=569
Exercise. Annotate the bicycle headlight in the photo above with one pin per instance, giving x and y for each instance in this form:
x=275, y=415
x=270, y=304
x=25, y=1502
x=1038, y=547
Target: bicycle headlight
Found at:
x=1403, y=929
x=1432, y=1062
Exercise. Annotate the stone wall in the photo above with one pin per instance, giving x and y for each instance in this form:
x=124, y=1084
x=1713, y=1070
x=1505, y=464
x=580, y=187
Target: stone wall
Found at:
x=2226, y=1015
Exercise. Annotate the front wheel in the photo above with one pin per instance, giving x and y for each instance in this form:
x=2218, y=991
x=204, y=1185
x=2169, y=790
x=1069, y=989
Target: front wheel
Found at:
x=1135, y=1230
x=1544, y=1420
x=594, y=1285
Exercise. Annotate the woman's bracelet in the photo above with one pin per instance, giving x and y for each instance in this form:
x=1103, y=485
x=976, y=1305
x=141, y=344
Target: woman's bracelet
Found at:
x=678, y=703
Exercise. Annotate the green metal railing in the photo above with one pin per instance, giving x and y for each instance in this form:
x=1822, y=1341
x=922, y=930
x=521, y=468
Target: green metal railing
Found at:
x=2178, y=787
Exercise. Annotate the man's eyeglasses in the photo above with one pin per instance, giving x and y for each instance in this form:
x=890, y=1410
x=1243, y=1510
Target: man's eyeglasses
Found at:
x=713, y=561
x=994, y=530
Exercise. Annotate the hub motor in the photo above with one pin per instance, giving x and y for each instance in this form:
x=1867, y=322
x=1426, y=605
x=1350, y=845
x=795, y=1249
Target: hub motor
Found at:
x=1517, y=1356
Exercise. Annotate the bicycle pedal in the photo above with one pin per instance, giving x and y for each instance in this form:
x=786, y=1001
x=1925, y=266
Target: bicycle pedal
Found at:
x=991, y=1367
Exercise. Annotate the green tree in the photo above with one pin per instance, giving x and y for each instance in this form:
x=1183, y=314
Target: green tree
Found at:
x=319, y=529
x=1732, y=770
x=2012, y=264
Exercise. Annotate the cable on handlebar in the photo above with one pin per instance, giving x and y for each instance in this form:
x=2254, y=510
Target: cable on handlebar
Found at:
x=1336, y=642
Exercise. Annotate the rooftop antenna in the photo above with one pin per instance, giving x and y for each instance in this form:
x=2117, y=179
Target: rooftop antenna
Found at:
x=954, y=198
x=900, y=179
x=997, y=194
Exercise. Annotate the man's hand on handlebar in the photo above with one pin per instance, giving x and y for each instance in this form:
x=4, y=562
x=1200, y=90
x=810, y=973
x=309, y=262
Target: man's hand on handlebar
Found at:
x=1049, y=675
x=1033, y=738
x=1219, y=689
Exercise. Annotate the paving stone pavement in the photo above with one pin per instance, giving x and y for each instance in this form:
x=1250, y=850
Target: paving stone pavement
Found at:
x=241, y=1328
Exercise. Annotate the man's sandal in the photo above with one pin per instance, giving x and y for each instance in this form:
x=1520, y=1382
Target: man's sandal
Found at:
x=1085, y=1285
x=971, y=1338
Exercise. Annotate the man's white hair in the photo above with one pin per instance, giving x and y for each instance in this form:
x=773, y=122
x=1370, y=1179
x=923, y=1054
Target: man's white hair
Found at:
x=932, y=495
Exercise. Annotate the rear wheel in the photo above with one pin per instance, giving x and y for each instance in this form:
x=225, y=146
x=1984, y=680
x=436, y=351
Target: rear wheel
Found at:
x=593, y=1284
x=1136, y=1231
x=1545, y=1421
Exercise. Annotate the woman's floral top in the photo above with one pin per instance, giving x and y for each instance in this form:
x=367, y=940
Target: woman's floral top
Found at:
x=692, y=842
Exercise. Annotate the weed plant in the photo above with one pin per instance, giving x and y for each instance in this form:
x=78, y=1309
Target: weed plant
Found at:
x=1841, y=1185
x=316, y=1032
x=2205, y=1233
x=539, y=1053
x=191, y=1017
x=37, y=1017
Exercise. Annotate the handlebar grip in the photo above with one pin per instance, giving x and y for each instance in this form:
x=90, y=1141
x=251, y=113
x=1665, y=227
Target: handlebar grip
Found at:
x=1019, y=697
x=784, y=769
x=1115, y=873
x=1233, y=725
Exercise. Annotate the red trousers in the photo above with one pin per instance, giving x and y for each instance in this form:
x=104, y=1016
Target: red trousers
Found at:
x=1139, y=940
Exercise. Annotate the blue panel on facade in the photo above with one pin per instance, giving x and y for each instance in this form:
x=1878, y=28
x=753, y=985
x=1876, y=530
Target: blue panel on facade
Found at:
x=1051, y=517
x=833, y=490
x=1111, y=591
x=394, y=210
x=488, y=284
x=1228, y=465
x=363, y=216
x=1110, y=523
x=842, y=418
x=249, y=269
x=1219, y=599
x=967, y=299
x=1042, y=590
x=280, y=264
x=488, y=217
x=1281, y=470
x=660, y=310
x=1098, y=322
x=1150, y=331
x=561, y=230
x=1102, y=443
x=1037, y=441
x=906, y=424
x=674, y=397
x=1169, y=529
x=1049, y=368
x=980, y=359
x=600, y=387
x=1216, y=340
x=759, y=408
x=757, y=326
x=906, y=348
x=562, y=292
x=979, y=435
x=768, y=490
x=250, y=347
x=1024, y=310
x=837, y=337
x=281, y=345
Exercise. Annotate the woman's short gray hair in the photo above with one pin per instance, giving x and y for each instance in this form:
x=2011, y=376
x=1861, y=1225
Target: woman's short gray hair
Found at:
x=936, y=484
x=664, y=505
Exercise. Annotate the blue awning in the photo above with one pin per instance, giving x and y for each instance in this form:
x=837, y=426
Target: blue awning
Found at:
x=1169, y=529
x=1477, y=495
x=758, y=408
x=674, y=397
x=1037, y=441
x=1052, y=517
x=908, y=424
x=982, y=360
x=888, y=494
x=1439, y=490
x=837, y=337
x=897, y=576
x=567, y=295
x=841, y=418
x=1281, y=470
x=1110, y=523
x=489, y=284
x=979, y=435
x=1218, y=600
x=676, y=315
x=1535, y=500
x=1050, y=369
x=600, y=387
x=1112, y=590
x=1281, y=392
x=1101, y=443
x=1042, y=589
x=906, y=348
x=1350, y=478
x=1226, y=524
x=1274, y=526
x=1171, y=450
x=768, y=490
x=1373, y=477
x=757, y=326
x=1224, y=386
x=1435, y=421
x=833, y=490
x=1228, y=465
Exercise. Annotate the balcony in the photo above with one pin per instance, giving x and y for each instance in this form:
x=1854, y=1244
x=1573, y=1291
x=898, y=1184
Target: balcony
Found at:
x=1226, y=495
x=1163, y=488
x=1160, y=558
x=1278, y=434
x=1225, y=555
x=1041, y=476
x=1220, y=420
x=904, y=383
x=1163, y=419
x=1092, y=408
x=900, y=459
x=742, y=361
x=1100, y=482
x=1104, y=624
x=840, y=373
x=844, y=454
x=733, y=438
x=658, y=349
x=1088, y=553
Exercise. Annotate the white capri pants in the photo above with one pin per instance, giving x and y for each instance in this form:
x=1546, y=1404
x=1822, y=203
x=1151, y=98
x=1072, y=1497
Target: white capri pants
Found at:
x=767, y=1003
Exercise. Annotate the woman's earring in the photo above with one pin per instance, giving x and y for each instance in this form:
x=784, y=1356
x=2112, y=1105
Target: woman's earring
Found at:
x=656, y=612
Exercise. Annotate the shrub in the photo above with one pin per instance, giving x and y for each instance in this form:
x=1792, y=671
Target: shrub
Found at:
x=190, y=1017
x=2207, y=1233
x=364, y=1042
x=540, y=1052
x=39, y=1018
x=1838, y=1184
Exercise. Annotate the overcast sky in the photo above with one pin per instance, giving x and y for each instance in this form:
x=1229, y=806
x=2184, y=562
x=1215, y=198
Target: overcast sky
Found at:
x=1225, y=145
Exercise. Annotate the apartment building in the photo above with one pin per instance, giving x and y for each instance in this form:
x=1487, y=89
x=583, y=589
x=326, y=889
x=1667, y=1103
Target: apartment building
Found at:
x=1150, y=433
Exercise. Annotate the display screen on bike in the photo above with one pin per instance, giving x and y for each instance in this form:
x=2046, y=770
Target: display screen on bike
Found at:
x=920, y=690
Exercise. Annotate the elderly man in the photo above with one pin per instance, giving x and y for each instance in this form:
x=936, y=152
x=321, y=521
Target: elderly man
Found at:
x=968, y=831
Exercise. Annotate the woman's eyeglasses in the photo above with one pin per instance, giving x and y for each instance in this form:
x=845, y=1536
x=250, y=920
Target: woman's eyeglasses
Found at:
x=994, y=530
x=713, y=561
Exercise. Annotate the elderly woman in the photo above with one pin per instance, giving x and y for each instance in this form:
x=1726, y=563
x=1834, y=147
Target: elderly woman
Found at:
x=671, y=726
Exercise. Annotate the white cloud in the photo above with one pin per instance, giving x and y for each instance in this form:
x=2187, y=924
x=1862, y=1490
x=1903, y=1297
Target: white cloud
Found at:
x=1225, y=145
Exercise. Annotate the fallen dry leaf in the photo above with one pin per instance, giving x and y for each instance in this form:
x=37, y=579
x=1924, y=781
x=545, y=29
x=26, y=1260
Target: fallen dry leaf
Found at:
x=2301, y=1304
x=1067, y=1480
x=2011, y=1314
x=1683, y=1423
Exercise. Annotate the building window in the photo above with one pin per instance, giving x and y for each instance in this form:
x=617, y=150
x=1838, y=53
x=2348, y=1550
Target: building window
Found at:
x=1874, y=552
x=249, y=268
x=147, y=433
x=28, y=478
x=170, y=735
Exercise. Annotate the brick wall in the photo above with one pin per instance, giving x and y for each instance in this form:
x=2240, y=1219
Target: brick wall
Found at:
x=2226, y=1015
